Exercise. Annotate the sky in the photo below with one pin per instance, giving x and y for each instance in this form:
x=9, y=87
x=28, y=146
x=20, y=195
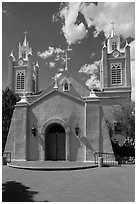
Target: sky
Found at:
x=56, y=27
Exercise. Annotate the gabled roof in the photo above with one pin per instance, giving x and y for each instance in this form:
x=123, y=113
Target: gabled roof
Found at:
x=65, y=94
x=72, y=91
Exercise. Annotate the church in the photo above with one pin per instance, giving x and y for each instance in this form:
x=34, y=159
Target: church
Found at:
x=66, y=121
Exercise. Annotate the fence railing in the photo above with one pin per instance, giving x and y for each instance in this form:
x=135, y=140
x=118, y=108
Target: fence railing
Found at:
x=112, y=159
x=7, y=157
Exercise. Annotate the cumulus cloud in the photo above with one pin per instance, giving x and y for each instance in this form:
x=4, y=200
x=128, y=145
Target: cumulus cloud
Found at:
x=54, y=54
x=51, y=64
x=73, y=32
x=93, y=70
x=90, y=68
x=101, y=16
x=98, y=15
x=132, y=54
x=93, y=82
x=50, y=52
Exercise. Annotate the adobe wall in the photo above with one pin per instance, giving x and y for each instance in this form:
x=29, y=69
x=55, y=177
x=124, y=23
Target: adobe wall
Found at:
x=17, y=136
x=97, y=134
x=56, y=105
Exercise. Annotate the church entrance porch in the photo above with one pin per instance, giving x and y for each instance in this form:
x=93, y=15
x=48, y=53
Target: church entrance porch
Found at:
x=55, y=143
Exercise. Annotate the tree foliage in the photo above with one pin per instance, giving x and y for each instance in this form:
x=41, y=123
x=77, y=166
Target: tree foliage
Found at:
x=125, y=116
x=9, y=99
x=125, y=131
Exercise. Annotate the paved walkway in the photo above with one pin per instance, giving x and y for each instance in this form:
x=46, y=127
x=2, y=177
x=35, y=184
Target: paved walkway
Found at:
x=106, y=184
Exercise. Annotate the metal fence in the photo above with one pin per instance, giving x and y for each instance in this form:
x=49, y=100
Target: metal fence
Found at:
x=7, y=157
x=111, y=159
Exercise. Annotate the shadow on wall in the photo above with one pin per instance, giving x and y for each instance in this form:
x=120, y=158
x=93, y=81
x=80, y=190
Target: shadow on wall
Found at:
x=13, y=191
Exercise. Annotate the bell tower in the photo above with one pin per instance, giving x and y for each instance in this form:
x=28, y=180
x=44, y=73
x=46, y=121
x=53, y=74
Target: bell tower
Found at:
x=115, y=72
x=22, y=72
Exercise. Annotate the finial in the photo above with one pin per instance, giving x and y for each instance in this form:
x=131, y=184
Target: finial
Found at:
x=30, y=52
x=126, y=43
x=23, y=98
x=113, y=33
x=55, y=80
x=104, y=45
x=11, y=55
x=25, y=39
x=37, y=65
x=92, y=94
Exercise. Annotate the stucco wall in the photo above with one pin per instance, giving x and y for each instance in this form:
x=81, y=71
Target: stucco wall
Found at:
x=97, y=134
x=17, y=136
x=56, y=105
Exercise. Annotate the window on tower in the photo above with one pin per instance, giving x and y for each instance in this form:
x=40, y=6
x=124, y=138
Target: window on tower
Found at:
x=24, y=54
x=20, y=80
x=116, y=74
x=114, y=45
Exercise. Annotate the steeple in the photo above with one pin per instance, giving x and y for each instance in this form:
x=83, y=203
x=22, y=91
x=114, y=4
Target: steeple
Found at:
x=24, y=49
x=113, y=42
x=11, y=55
x=25, y=39
x=112, y=32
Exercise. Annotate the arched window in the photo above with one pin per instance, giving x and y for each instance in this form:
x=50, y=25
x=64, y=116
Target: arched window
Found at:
x=20, y=80
x=116, y=74
x=66, y=87
x=65, y=84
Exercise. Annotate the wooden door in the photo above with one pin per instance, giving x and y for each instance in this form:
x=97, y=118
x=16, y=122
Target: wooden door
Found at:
x=55, y=143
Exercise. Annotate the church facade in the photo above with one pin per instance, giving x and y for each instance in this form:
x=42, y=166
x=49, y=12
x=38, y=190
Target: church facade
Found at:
x=67, y=121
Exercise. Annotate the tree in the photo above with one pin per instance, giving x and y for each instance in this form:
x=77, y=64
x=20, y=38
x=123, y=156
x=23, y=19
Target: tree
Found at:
x=9, y=99
x=125, y=116
x=123, y=129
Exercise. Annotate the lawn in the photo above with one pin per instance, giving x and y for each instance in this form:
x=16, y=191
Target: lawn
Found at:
x=106, y=184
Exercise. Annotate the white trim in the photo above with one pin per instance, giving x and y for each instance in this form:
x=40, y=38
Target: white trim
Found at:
x=65, y=78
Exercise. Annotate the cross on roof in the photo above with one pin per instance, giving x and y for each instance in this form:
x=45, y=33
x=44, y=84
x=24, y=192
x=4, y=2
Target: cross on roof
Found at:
x=66, y=60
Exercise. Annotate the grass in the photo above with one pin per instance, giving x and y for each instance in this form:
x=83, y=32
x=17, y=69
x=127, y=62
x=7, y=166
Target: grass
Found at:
x=107, y=184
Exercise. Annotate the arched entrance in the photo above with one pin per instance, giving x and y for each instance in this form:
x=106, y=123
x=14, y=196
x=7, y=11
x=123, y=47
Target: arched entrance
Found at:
x=55, y=142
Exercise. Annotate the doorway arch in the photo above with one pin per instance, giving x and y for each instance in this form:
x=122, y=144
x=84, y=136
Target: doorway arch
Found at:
x=55, y=142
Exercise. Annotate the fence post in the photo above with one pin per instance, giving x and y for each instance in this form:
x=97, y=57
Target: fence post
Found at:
x=100, y=162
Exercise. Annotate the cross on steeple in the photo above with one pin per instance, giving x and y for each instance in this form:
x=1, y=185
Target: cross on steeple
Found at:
x=66, y=60
x=113, y=24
